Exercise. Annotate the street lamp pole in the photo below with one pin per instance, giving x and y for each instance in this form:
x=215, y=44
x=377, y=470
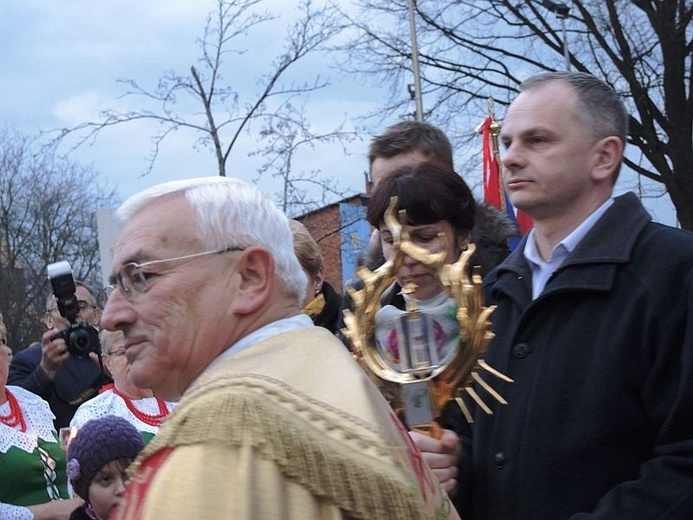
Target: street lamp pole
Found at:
x=561, y=10
x=566, y=54
x=415, y=63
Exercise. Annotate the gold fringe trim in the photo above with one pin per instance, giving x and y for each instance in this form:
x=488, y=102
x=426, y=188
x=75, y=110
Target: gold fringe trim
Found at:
x=248, y=411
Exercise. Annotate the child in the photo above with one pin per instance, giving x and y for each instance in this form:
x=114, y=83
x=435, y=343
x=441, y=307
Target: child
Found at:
x=97, y=458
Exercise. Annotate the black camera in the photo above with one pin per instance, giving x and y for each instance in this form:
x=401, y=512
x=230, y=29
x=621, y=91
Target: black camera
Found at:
x=81, y=338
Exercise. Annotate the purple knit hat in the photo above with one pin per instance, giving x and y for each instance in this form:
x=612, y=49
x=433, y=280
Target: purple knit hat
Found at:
x=97, y=443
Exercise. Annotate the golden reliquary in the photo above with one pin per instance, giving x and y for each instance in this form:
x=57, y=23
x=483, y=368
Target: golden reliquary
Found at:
x=422, y=382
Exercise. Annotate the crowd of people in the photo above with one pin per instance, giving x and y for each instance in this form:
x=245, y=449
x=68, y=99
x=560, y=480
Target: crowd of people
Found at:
x=223, y=388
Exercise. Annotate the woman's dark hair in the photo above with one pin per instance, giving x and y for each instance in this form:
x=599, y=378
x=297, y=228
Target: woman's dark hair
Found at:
x=430, y=192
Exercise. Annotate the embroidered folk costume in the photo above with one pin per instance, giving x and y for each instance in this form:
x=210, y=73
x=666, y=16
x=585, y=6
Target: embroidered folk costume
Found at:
x=32, y=463
x=146, y=413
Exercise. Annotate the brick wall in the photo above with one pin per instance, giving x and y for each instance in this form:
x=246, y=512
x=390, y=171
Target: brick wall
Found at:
x=326, y=228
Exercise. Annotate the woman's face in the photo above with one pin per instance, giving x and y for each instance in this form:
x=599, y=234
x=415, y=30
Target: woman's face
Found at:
x=313, y=286
x=107, y=487
x=117, y=363
x=426, y=236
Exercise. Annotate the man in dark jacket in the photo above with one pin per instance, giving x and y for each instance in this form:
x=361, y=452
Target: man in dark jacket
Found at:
x=594, y=324
x=49, y=370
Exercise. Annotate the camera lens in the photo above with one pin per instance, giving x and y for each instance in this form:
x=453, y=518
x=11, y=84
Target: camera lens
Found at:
x=82, y=339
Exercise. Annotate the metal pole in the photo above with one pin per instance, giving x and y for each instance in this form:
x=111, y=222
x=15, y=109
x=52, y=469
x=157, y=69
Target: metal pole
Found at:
x=562, y=11
x=415, y=63
x=566, y=53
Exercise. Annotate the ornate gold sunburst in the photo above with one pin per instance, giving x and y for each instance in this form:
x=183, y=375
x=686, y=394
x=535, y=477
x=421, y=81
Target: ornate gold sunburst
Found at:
x=447, y=381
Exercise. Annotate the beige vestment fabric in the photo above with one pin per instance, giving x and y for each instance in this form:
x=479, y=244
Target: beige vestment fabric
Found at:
x=290, y=428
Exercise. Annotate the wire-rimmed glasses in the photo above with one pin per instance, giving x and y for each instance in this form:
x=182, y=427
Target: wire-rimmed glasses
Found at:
x=132, y=278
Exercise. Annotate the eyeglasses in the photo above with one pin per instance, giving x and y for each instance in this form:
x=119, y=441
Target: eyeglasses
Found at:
x=84, y=305
x=132, y=280
x=117, y=353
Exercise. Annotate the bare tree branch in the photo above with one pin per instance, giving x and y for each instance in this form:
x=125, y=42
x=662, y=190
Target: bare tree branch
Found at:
x=286, y=136
x=47, y=213
x=224, y=114
x=471, y=50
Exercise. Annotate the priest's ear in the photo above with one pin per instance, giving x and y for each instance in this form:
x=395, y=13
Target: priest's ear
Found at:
x=254, y=280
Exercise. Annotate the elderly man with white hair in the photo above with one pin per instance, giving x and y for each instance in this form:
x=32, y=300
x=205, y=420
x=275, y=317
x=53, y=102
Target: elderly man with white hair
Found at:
x=275, y=420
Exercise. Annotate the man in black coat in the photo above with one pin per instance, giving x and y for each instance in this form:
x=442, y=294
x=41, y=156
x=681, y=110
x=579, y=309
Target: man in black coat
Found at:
x=594, y=324
x=49, y=370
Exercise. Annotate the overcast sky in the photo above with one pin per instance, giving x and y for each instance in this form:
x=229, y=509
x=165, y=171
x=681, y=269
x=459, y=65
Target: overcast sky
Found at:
x=63, y=58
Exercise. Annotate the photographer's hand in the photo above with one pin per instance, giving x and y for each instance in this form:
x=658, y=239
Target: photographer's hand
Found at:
x=53, y=353
x=106, y=375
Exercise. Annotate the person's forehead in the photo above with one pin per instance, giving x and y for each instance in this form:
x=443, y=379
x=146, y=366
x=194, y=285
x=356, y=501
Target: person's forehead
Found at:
x=82, y=293
x=113, y=466
x=162, y=227
x=441, y=225
x=383, y=166
x=539, y=106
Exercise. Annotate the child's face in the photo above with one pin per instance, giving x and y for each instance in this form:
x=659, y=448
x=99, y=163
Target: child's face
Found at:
x=107, y=487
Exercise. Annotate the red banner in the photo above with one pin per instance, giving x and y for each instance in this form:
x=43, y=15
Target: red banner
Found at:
x=494, y=193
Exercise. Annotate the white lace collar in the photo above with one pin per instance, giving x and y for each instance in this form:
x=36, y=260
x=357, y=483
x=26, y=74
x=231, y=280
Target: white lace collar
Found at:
x=38, y=418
